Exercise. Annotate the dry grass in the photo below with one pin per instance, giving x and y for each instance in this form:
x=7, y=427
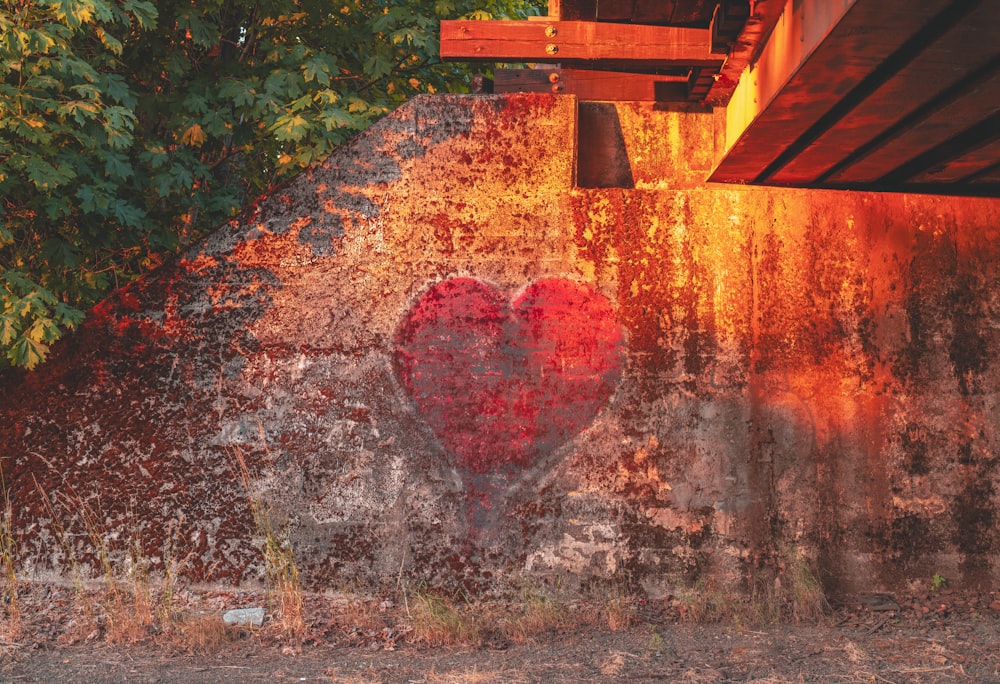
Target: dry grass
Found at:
x=125, y=595
x=792, y=592
x=10, y=627
x=202, y=633
x=128, y=607
x=364, y=616
x=536, y=615
x=804, y=592
x=438, y=621
x=618, y=611
x=281, y=570
x=84, y=622
x=173, y=569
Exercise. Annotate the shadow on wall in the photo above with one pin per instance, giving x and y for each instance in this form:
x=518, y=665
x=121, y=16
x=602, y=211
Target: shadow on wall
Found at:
x=874, y=406
x=602, y=157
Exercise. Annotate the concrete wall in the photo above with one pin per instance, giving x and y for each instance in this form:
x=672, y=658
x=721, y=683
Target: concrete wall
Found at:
x=445, y=362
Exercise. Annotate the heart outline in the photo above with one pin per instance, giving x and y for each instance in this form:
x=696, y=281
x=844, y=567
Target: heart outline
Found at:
x=504, y=381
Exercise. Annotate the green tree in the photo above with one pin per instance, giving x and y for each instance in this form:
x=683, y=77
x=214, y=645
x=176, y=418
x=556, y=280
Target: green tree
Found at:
x=129, y=128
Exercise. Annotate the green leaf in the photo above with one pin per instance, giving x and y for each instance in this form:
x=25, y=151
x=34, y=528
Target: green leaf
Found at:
x=378, y=65
x=302, y=103
x=71, y=12
x=126, y=214
x=115, y=88
x=43, y=330
x=58, y=251
x=27, y=353
x=144, y=12
x=290, y=128
x=67, y=316
x=8, y=329
x=45, y=176
x=356, y=105
x=117, y=167
x=109, y=41
x=125, y=134
x=18, y=283
x=239, y=91
x=318, y=69
x=203, y=33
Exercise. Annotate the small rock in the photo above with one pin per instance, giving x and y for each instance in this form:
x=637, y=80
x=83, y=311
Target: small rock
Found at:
x=244, y=616
x=995, y=605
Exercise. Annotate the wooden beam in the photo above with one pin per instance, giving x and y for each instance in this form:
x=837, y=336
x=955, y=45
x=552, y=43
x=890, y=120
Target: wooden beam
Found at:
x=930, y=130
x=975, y=163
x=589, y=85
x=629, y=47
x=806, y=71
x=934, y=78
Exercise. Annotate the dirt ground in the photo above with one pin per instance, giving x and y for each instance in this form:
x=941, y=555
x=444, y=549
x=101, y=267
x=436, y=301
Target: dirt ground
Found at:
x=936, y=637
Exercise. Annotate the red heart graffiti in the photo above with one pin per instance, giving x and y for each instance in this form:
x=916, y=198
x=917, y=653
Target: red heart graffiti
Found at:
x=502, y=382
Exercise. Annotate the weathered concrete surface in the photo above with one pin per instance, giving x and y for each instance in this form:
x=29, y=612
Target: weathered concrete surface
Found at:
x=446, y=363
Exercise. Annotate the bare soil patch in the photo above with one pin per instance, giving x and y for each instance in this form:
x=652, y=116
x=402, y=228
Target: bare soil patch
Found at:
x=935, y=637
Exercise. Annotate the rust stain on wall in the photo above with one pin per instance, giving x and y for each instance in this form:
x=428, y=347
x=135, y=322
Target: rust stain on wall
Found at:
x=437, y=353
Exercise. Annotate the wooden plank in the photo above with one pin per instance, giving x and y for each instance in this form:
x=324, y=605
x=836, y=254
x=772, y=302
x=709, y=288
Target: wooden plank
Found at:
x=943, y=64
x=626, y=46
x=589, y=85
x=990, y=176
x=867, y=33
x=974, y=162
x=943, y=124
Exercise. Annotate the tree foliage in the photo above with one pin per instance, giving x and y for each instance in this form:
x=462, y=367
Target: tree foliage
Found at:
x=128, y=128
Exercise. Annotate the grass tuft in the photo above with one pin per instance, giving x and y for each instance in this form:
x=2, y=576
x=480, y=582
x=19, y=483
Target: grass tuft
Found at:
x=537, y=615
x=201, y=634
x=280, y=568
x=11, y=615
x=792, y=591
x=438, y=621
